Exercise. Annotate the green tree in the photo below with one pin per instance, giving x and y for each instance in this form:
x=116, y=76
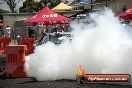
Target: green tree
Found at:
x=3, y=11
x=32, y=6
x=50, y=3
x=11, y=4
x=29, y=6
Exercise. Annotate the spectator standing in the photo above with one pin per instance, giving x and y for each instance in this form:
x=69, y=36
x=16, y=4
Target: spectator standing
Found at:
x=1, y=33
x=8, y=32
x=44, y=32
x=44, y=35
x=19, y=39
x=124, y=8
x=31, y=32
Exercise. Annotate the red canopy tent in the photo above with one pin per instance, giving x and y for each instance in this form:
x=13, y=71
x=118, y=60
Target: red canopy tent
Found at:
x=127, y=15
x=46, y=17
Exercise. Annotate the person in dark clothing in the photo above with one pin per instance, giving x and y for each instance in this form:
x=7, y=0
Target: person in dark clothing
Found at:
x=124, y=8
x=31, y=32
x=1, y=33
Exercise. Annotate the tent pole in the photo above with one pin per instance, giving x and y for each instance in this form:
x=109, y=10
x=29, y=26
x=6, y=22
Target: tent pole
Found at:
x=106, y=3
x=46, y=28
x=91, y=4
x=48, y=35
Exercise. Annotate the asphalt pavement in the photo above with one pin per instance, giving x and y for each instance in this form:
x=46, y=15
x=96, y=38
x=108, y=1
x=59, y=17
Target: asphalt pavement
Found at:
x=29, y=83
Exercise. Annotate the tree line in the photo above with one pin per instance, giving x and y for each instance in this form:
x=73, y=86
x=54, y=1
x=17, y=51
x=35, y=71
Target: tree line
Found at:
x=30, y=5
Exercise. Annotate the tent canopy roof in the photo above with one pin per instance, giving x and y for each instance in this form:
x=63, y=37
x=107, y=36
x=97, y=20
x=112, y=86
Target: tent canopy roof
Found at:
x=62, y=7
x=127, y=14
x=47, y=16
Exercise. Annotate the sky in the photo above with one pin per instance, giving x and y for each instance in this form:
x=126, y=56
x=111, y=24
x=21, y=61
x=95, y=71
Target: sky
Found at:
x=4, y=6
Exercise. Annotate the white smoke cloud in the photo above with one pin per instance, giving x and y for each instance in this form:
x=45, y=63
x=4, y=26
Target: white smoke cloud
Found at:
x=101, y=47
